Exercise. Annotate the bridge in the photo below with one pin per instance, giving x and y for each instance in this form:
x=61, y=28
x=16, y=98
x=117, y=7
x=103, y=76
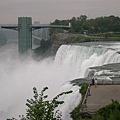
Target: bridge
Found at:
x=25, y=28
x=34, y=27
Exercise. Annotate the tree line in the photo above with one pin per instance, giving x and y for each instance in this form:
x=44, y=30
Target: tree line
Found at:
x=92, y=26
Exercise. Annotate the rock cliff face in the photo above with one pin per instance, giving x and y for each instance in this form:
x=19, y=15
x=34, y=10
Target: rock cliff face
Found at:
x=58, y=40
x=62, y=38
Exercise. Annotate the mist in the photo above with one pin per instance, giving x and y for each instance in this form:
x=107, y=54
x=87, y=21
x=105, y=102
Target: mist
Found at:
x=19, y=76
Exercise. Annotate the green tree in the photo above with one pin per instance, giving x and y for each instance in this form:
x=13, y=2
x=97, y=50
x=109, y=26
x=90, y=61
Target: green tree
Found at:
x=83, y=18
x=41, y=109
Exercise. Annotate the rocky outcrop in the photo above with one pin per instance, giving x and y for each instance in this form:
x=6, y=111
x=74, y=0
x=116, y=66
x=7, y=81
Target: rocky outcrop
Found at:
x=58, y=40
x=63, y=38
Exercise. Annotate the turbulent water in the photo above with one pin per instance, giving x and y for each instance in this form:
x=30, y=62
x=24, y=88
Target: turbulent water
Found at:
x=19, y=76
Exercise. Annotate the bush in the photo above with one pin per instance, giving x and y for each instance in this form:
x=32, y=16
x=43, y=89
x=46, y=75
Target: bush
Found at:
x=41, y=109
x=111, y=111
x=84, y=88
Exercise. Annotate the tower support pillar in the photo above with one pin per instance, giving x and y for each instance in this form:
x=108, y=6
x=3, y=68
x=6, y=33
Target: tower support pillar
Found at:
x=24, y=34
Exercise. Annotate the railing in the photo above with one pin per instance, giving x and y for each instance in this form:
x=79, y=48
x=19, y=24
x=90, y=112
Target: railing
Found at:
x=85, y=97
x=103, y=82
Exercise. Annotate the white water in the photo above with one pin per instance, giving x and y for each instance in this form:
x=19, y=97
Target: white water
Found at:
x=78, y=59
x=18, y=77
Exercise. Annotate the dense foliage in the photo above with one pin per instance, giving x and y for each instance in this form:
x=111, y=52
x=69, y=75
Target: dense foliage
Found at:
x=84, y=89
x=97, y=25
x=41, y=109
x=109, y=112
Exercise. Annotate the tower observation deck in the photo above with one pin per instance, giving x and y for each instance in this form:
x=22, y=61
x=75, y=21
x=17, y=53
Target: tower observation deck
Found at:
x=25, y=29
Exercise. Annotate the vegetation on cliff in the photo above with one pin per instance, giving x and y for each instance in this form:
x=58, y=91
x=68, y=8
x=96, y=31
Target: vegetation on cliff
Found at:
x=76, y=114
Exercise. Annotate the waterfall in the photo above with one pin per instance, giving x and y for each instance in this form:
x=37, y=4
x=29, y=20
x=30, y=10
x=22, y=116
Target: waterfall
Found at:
x=77, y=59
x=18, y=77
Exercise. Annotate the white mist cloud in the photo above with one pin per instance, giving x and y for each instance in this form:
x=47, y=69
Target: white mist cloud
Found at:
x=18, y=77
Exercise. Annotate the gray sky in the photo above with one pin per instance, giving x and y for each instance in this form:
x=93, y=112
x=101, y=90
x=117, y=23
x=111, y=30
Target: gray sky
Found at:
x=47, y=11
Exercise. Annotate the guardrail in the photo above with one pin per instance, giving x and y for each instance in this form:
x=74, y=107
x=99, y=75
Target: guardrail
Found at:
x=85, y=97
x=105, y=82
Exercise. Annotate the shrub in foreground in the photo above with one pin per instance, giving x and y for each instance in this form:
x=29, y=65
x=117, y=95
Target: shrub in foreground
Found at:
x=41, y=109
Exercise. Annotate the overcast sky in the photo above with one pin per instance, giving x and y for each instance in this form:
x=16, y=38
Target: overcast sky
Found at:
x=47, y=11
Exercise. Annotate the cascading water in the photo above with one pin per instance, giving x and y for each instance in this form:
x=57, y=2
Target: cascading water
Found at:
x=18, y=77
x=77, y=59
